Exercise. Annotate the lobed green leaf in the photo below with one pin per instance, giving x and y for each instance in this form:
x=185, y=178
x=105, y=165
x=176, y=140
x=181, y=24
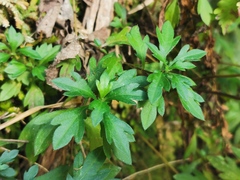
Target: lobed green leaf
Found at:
x=29, y=52
x=31, y=173
x=34, y=97
x=4, y=57
x=118, y=135
x=79, y=87
x=14, y=39
x=71, y=124
x=116, y=39
x=103, y=85
x=15, y=69
x=7, y=157
x=9, y=89
x=135, y=39
x=128, y=94
x=39, y=72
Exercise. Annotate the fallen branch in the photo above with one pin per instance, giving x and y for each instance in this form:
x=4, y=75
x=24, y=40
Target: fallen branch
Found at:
x=132, y=176
x=36, y=109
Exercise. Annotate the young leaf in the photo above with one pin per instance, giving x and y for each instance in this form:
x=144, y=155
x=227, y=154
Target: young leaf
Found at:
x=15, y=69
x=158, y=82
x=47, y=52
x=34, y=97
x=95, y=72
x=14, y=39
x=157, y=53
x=113, y=65
x=117, y=23
x=148, y=115
x=166, y=38
x=79, y=87
x=119, y=38
x=135, y=39
x=104, y=85
x=4, y=57
x=205, y=10
x=172, y=12
x=9, y=89
x=120, y=10
x=99, y=109
x=25, y=78
x=31, y=173
x=226, y=12
x=71, y=125
x=118, y=134
x=39, y=72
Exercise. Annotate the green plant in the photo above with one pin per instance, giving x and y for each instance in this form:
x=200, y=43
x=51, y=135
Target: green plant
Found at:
x=163, y=78
x=5, y=158
x=20, y=11
x=24, y=67
x=107, y=82
x=226, y=13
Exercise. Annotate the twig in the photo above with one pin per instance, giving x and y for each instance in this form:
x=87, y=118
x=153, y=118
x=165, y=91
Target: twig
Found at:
x=140, y=6
x=28, y=113
x=25, y=158
x=34, y=110
x=132, y=176
x=222, y=94
x=82, y=149
x=218, y=76
x=13, y=141
x=159, y=155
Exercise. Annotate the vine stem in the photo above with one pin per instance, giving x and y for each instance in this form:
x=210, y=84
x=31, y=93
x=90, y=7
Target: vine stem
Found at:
x=159, y=155
x=132, y=176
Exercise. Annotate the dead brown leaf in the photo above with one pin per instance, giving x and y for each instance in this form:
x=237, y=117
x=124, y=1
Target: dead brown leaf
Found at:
x=57, y=12
x=71, y=50
x=101, y=34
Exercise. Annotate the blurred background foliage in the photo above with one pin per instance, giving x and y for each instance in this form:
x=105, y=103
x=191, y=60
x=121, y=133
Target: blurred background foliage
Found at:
x=177, y=145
